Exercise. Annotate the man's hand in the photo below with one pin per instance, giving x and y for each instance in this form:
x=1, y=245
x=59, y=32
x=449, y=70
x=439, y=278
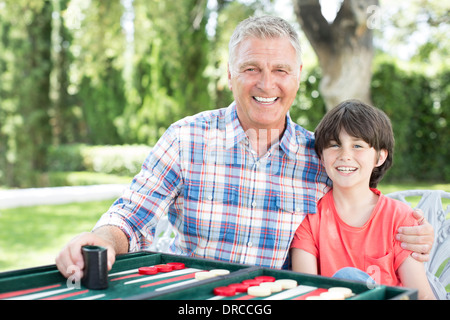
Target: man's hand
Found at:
x=70, y=258
x=419, y=239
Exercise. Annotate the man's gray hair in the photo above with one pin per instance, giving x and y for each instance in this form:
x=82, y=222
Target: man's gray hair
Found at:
x=266, y=27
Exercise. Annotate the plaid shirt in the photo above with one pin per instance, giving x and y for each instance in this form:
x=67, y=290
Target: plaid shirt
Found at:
x=223, y=201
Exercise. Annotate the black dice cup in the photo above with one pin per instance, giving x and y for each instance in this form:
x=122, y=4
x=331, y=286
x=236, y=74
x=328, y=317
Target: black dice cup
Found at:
x=95, y=275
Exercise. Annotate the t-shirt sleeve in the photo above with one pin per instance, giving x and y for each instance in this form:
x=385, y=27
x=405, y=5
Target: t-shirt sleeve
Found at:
x=304, y=238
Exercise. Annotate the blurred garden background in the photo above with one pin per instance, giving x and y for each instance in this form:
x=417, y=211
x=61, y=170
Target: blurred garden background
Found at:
x=88, y=86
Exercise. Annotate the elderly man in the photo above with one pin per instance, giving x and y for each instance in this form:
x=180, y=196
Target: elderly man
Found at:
x=235, y=182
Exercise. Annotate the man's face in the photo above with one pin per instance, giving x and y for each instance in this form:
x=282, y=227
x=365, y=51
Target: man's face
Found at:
x=264, y=78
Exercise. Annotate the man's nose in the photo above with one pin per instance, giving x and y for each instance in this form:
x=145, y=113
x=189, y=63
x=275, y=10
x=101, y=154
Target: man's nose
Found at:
x=266, y=81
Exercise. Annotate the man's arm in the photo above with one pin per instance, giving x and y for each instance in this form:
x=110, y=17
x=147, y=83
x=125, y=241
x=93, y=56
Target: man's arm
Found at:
x=109, y=237
x=418, y=239
x=159, y=171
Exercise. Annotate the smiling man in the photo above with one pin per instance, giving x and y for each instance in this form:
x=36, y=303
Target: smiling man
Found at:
x=235, y=182
x=264, y=76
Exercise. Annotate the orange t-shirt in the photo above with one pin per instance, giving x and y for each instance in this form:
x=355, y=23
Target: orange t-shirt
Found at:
x=371, y=248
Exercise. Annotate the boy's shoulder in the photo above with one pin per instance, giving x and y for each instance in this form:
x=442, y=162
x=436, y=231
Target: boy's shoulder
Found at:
x=397, y=210
x=395, y=204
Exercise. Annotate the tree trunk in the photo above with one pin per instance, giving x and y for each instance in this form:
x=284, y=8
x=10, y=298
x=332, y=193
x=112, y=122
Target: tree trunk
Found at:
x=344, y=48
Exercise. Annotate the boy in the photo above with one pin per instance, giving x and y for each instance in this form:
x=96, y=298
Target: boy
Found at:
x=355, y=225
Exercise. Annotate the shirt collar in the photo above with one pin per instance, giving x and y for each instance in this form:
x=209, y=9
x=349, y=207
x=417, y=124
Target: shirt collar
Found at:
x=233, y=129
x=235, y=133
x=289, y=143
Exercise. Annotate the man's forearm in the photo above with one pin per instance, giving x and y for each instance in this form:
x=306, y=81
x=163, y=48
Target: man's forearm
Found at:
x=115, y=236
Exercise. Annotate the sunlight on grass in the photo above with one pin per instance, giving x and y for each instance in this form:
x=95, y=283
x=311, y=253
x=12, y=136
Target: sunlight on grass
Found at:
x=33, y=236
x=389, y=188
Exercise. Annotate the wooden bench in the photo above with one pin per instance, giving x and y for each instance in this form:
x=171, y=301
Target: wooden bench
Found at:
x=438, y=267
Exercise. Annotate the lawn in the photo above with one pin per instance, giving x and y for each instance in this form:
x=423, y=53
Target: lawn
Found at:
x=33, y=236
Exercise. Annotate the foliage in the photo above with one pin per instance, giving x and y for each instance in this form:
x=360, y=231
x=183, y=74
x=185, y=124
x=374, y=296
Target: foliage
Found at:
x=419, y=110
x=80, y=178
x=80, y=73
x=125, y=160
x=309, y=107
x=170, y=58
x=120, y=160
x=25, y=66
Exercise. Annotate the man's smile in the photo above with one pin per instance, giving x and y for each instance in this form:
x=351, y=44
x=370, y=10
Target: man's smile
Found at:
x=265, y=100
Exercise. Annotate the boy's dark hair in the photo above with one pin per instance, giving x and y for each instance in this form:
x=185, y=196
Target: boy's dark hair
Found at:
x=362, y=121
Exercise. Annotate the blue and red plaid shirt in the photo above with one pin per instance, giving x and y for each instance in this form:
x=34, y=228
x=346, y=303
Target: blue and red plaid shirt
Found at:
x=224, y=201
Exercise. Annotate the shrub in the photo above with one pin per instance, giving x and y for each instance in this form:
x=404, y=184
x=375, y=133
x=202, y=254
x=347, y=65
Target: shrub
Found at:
x=119, y=160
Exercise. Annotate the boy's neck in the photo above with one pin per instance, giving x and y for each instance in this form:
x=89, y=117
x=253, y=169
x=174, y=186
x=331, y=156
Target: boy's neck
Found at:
x=354, y=206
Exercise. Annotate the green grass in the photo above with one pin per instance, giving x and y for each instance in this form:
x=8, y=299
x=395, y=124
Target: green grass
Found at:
x=392, y=187
x=33, y=236
x=386, y=188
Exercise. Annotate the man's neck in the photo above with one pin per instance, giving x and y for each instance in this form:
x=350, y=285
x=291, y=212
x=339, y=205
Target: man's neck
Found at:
x=262, y=139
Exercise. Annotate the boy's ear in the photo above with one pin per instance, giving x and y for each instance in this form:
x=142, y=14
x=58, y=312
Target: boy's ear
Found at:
x=321, y=161
x=382, y=155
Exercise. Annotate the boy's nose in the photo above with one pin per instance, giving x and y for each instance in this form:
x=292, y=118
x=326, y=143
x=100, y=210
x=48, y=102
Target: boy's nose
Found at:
x=345, y=155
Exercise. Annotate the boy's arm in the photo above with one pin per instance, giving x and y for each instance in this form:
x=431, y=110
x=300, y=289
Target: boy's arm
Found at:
x=303, y=261
x=412, y=274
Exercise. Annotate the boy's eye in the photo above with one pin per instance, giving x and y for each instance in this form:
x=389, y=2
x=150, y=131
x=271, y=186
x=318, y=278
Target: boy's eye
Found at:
x=361, y=144
x=333, y=145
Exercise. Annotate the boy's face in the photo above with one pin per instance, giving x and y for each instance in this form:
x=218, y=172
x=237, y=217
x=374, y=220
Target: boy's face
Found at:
x=350, y=163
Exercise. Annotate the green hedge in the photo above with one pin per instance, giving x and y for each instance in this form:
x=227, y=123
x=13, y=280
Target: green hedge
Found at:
x=118, y=160
x=418, y=105
x=419, y=108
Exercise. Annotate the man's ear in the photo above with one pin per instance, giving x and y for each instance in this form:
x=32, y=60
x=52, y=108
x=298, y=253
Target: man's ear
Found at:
x=300, y=74
x=229, y=78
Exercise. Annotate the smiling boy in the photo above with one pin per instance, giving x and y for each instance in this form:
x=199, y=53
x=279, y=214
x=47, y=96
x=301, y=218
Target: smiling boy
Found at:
x=355, y=225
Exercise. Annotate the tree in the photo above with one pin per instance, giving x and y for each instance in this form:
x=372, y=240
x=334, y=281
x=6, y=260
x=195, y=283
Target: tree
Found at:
x=95, y=74
x=170, y=58
x=25, y=66
x=344, y=47
x=62, y=118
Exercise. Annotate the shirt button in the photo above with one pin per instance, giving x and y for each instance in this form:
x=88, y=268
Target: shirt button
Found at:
x=254, y=204
x=210, y=197
x=249, y=244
